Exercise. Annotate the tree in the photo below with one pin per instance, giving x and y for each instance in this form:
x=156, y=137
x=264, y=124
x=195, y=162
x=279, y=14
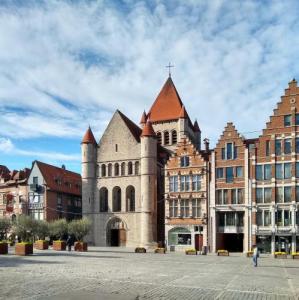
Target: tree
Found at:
x=24, y=228
x=5, y=225
x=79, y=228
x=41, y=230
x=58, y=228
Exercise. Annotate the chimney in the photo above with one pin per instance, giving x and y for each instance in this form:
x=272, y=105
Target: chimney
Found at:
x=207, y=143
x=63, y=167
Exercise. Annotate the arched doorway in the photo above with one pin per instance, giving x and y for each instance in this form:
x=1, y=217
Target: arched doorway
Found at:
x=116, y=234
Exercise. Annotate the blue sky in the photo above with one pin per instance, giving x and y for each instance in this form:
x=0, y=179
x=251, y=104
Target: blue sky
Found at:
x=67, y=64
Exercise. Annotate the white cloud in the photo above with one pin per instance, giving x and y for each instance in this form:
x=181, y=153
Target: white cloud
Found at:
x=6, y=145
x=232, y=61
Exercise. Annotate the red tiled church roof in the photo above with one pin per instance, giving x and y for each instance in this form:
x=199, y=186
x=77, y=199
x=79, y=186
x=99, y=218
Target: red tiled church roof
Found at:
x=183, y=113
x=88, y=137
x=60, y=180
x=168, y=104
x=148, y=130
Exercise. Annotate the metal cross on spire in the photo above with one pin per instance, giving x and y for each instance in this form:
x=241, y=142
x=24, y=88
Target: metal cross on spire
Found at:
x=169, y=69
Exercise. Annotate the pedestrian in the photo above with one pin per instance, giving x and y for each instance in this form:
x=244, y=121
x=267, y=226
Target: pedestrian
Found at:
x=69, y=243
x=255, y=255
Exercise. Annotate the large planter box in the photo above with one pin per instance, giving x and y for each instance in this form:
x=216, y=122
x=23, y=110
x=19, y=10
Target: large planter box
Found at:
x=59, y=245
x=3, y=248
x=160, y=250
x=24, y=249
x=41, y=245
x=249, y=254
x=80, y=246
x=284, y=256
x=295, y=256
x=191, y=252
x=222, y=253
x=140, y=250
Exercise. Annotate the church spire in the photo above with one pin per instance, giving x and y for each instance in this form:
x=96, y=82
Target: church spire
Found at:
x=143, y=118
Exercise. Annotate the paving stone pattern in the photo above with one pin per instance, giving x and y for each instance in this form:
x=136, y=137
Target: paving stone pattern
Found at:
x=120, y=274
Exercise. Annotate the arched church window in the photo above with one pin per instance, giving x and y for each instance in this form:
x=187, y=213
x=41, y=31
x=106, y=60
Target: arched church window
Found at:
x=166, y=138
x=136, y=167
x=159, y=137
x=116, y=200
x=130, y=168
x=130, y=196
x=116, y=169
x=109, y=169
x=174, y=137
x=103, y=170
x=123, y=169
x=103, y=199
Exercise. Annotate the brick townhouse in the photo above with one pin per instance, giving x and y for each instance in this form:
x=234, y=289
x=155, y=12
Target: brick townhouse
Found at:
x=275, y=178
x=229, y=192
x=186, y=197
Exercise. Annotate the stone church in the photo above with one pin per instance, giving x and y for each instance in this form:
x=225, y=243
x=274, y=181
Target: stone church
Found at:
x=123, y=175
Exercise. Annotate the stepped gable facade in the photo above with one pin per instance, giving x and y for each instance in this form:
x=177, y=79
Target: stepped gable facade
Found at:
x=186, y=197
x=229, y=192
x=275, y=178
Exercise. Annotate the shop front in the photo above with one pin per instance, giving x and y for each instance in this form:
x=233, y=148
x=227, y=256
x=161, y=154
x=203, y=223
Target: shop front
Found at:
x=181, y=238
x=263, y=242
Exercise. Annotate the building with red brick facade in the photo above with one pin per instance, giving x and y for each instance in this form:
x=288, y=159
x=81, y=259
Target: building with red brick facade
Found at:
x=186, y=197
x=229, y=217
x=275, y=178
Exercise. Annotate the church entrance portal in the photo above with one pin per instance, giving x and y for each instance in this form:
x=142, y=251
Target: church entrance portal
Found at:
x=116, y=233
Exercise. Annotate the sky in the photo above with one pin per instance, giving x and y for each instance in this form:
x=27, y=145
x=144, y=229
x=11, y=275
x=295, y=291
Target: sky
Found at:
x=65, y=65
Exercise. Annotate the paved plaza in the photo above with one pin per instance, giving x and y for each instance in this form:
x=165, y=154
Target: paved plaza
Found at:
x=116, y=274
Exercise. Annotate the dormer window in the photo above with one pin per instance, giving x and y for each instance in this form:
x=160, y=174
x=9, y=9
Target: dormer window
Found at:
x=184, y=161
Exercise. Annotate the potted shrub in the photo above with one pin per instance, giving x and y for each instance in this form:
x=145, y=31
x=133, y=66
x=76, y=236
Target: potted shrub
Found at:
x=3, y=247
x=41, y=231
x=160, y=250
x=190, y=251
x=79, y=229
x=222, y=253
x=5, y=226
x=280, y=254
x=58, y=229
x=295, y=255
x=249, y=253
x=140, y=250
x=24, y=229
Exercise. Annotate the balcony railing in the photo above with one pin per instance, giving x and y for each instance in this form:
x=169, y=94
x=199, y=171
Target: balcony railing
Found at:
x=231, y=229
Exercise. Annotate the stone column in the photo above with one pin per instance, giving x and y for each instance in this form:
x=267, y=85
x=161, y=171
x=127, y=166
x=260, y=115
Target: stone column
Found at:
x=212, y=215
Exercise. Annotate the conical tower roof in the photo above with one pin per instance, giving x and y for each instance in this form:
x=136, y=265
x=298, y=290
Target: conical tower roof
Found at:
x=88, y=137
x=148, y=129
x=143, y=118
x=168, y=104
